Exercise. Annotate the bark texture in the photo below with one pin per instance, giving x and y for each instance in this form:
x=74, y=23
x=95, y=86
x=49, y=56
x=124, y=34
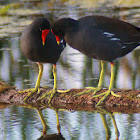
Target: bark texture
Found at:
x=129, y=102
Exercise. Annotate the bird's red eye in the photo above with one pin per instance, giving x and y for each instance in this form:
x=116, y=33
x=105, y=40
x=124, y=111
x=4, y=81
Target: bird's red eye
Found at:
x=44, y=35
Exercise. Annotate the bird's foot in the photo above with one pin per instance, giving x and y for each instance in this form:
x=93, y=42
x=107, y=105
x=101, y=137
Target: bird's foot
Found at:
x=51, y=96
x=106, y=94
x=32, y=90
x=51, y=93
x=54, y=91
x=91, y=89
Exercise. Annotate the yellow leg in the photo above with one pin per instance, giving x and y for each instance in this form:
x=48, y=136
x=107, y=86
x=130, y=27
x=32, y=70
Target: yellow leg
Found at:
x=57, y=119
x=55, y=84
x=115, y=126
x=37, y=86
x=55, y=81
x=108, y=133
x=100, y=84
x=102, y=114
x=42, y=120
x=54, y=87
x=107, y=93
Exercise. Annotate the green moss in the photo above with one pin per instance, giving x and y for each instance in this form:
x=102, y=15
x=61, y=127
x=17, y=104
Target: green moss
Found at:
x=4, y=9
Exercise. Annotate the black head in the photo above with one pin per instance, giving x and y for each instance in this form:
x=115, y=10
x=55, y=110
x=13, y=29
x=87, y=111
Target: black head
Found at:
x=42, y=28
x=40, y=24
x=61, y=26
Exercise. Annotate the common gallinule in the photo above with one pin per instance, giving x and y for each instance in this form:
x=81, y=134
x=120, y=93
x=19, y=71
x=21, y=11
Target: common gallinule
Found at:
x=39, y=45
x=99, y=37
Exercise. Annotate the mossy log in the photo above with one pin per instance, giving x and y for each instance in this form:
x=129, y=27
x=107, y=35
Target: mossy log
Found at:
x=129, y=102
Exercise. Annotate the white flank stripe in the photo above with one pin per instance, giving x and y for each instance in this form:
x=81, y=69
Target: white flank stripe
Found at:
x=114, y=39
x=123, y=47
x=108, y=34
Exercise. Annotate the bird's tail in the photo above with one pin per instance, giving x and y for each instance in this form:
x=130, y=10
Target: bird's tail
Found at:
x=138, y=29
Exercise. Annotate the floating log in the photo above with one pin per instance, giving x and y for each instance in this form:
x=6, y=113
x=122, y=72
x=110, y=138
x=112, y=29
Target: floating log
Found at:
x=129, y=102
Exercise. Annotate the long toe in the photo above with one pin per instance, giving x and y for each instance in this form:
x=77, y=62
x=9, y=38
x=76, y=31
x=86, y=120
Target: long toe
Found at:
x=84, y=92
x=63, y=91
x=26, y=90
x=51, y=96
x=91, y=89
x=32, y=91
x=98, y=95
x=106, y=94
x=53, y=92
x=96, y=90
x=104, y=97
x=45, y=95
x=114, y=94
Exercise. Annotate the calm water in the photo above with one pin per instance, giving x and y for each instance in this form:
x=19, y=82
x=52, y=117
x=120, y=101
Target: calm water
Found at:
x=74, y=71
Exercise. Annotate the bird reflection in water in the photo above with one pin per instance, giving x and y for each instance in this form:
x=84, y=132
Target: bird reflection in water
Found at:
x=44, y=136
x=59, y=136
x=103, y=113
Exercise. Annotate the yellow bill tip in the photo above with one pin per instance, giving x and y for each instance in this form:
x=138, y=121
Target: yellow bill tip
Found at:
x=58, y=42
x=43, y=43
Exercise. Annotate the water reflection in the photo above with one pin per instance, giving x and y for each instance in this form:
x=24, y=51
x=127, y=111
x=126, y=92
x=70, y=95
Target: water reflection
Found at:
x=24, y=123
x=74, y=125
x=102, y=112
